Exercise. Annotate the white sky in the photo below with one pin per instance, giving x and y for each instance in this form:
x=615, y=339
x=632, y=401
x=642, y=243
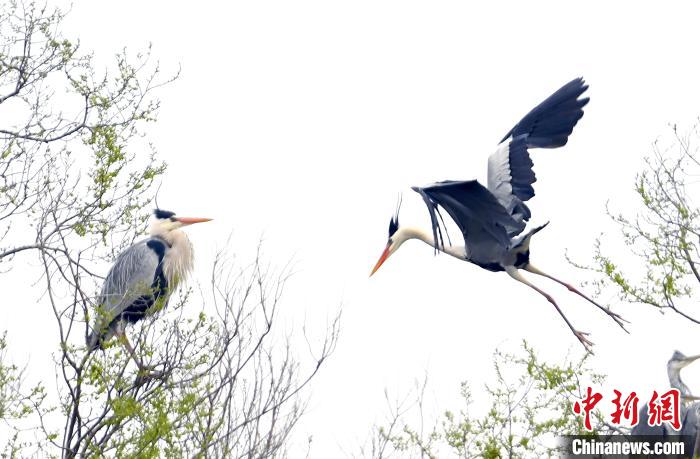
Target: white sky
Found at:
x=302, y=120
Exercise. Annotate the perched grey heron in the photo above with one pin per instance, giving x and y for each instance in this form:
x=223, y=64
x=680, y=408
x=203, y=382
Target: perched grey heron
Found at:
x=492, y=218
x=141, y=280
x=689, y=410
x=676, y=363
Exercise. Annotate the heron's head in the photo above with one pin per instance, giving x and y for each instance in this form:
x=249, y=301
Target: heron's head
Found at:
x=679, y=360
x=165, y=221
x=397, y=236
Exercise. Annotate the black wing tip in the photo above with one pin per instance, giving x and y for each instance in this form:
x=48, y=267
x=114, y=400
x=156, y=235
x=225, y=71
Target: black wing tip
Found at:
x=583, y=101
x=443, y=184
x=573, y=89
x=578, y=85
x=163, y=214
x=580, y=81
x=568, y=92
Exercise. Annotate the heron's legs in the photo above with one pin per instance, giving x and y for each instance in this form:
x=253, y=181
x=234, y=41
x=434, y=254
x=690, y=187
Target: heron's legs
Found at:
x=587, y=344
x=616, y=317
x=146, y=370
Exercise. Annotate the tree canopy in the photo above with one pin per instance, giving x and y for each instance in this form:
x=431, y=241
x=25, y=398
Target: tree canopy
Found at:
x=75, y=189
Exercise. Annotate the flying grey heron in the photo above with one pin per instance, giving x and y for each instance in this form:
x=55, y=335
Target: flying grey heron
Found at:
x=492, y=218
x=141, y=280
x=689, y=410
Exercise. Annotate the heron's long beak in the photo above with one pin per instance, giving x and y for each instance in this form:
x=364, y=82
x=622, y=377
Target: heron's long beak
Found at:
x=691, y=359
x=192, y=220
x=382, y=259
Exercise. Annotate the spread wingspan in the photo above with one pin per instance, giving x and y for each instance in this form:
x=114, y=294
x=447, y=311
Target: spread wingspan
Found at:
x=510, y=174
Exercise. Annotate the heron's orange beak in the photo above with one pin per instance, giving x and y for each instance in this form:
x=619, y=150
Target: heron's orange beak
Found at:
x=191, y=220
x=382, y=259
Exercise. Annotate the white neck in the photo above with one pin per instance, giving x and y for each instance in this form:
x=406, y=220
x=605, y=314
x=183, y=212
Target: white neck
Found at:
x=179, y=259
x=417, y=233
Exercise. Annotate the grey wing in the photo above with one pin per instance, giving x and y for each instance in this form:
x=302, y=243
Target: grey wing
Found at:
x=643, y=427
x=690, y=428
x=483, y=221
x=131, y=276
x=510, y=174
x=510, y=177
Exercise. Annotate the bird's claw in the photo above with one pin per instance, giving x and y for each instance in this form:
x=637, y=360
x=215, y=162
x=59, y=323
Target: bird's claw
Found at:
x=143, y=378
x=587, y=344
x=148, y=373
x=619, y=320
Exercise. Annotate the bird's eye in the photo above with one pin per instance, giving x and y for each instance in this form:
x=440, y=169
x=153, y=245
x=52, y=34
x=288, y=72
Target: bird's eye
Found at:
x=173, y=219
x=391, y=241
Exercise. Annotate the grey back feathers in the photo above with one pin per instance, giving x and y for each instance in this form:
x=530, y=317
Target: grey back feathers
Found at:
x=131, y=277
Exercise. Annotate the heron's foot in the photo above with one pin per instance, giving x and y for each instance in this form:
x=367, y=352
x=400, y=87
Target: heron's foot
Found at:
x=621, y=321
x=582, y=337
x=149, y=370
x=143, y=368
x=148, y=373
x=616, y=317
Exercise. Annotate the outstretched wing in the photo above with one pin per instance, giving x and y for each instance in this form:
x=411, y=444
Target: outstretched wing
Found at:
x=510, y=174
x=484, y=222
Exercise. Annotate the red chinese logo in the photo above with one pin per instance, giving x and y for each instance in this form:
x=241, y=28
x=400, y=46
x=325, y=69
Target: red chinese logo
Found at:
x=588, y=403
x=665, y=410
x=661, y=408
x=626, y=409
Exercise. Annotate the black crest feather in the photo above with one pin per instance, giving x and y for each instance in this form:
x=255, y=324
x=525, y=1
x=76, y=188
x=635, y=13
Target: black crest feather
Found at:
x=394, y=222
x=163, y=214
